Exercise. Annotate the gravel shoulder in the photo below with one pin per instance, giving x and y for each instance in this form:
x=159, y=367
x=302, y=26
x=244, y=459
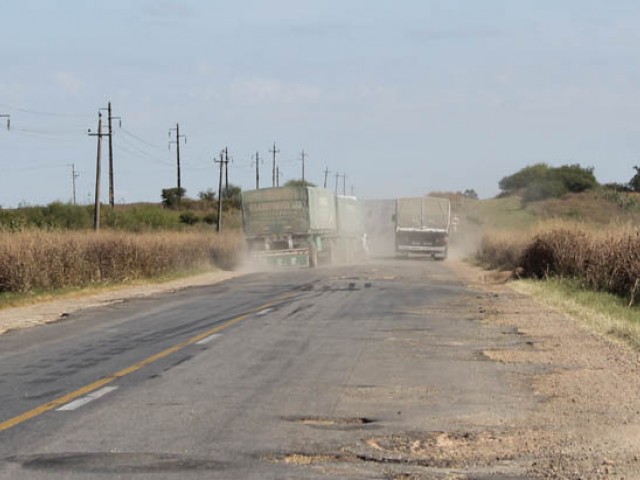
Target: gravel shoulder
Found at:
x=588, y=423
x=58, y=308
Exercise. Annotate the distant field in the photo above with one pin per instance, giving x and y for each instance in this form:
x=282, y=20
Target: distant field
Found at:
x=593, y=207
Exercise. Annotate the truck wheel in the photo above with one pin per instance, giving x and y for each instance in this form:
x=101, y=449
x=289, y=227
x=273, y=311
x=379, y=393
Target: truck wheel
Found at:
x=313, y=256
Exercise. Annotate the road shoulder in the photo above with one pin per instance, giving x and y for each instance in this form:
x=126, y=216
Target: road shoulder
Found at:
x=588, y=423
x=53, y=310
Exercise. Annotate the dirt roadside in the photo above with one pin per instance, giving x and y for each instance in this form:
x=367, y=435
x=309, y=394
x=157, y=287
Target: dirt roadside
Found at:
x=588, y=425
x=55, y=309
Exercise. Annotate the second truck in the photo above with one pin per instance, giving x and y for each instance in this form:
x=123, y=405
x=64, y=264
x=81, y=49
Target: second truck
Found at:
x=422, y=227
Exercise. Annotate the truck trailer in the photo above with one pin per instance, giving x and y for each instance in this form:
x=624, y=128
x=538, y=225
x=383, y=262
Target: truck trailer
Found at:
x=289, y=226
x=349, y=242
x=422, y=227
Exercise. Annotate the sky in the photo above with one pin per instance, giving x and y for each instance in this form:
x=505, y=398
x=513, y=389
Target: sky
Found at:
x=404, y=97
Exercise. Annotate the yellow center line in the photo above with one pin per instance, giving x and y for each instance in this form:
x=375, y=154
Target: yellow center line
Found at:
x=82, y=391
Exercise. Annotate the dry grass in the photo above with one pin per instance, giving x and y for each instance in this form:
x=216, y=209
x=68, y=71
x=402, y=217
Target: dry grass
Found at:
x=40, y=260
x=604, y=259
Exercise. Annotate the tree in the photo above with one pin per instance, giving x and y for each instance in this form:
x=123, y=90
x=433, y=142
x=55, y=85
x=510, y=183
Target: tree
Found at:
x=207, y=195
x=634, y=183
x=540, y=181
x=574, y=177
x=171, y=196
x=232, y=196
x=524, y=177
x=299, y=183
x=470, y=193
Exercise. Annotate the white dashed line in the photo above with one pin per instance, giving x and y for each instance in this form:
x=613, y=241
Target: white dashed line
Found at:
x=208, y=339
x=84, y=400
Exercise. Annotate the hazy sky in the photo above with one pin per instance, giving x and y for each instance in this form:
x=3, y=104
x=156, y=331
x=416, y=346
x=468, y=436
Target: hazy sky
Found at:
x=404, y=96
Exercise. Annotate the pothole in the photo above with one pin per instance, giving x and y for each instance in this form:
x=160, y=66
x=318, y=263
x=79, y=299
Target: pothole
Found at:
x=116, y=463
x=330, y=422
x=447, y=449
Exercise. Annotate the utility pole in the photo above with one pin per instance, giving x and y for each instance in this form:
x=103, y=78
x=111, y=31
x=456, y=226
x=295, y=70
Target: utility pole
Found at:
x=177, y=142
x=74, y=175
x=257, y=162
x=278, y=174
x=352, y=190
x=226, y=171
x=344, y=184
x=273, y=172
x=96, y=210
x=221, y=162
x=326, y=176
x=337, y=177
x=303, y=156
x=8, y=117
x=110, y=117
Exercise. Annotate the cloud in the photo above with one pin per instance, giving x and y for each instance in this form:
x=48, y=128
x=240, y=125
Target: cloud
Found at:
x=70, y=83
x=258, y=91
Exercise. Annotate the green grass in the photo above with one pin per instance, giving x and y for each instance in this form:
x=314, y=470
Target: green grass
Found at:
x=500, y=213
x=603, y=313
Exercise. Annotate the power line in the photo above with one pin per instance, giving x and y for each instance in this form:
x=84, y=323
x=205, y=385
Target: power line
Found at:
x=142, y=140
x=45, y=114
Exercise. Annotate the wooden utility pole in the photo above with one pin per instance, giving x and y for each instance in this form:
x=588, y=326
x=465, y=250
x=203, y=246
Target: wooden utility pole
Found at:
x=326, y=176
x=273, y=172
x=74, y=175
x=96, y=209
x=110, y=135
x=226, y=171
x=221, y=162
x=303, y=156
x=257, y=160
x=278, y=176
x=8, y=117
x=177, y=143
x=337, y=177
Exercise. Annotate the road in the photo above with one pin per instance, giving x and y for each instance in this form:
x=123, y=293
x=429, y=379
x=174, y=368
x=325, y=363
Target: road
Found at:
x=371, y=371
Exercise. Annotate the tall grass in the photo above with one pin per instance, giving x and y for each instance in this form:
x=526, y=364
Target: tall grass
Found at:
x=45, y=260
x=606, y=260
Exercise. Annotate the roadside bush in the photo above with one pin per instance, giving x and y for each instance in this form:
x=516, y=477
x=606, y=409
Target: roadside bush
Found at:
x=608, y=262
x=189, y=218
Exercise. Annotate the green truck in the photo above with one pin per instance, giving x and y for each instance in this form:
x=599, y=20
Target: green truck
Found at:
x=289, y=226
x=422, y=227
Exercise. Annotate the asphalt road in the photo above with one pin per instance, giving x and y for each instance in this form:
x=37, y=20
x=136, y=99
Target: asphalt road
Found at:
x=330, y=373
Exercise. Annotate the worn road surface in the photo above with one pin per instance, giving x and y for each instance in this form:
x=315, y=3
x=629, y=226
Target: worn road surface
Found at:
x=384, y=370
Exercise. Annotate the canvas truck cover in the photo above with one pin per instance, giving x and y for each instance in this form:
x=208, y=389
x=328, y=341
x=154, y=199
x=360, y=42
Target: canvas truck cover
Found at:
x=423, y=213
x=287, y=210
x=350, y=216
